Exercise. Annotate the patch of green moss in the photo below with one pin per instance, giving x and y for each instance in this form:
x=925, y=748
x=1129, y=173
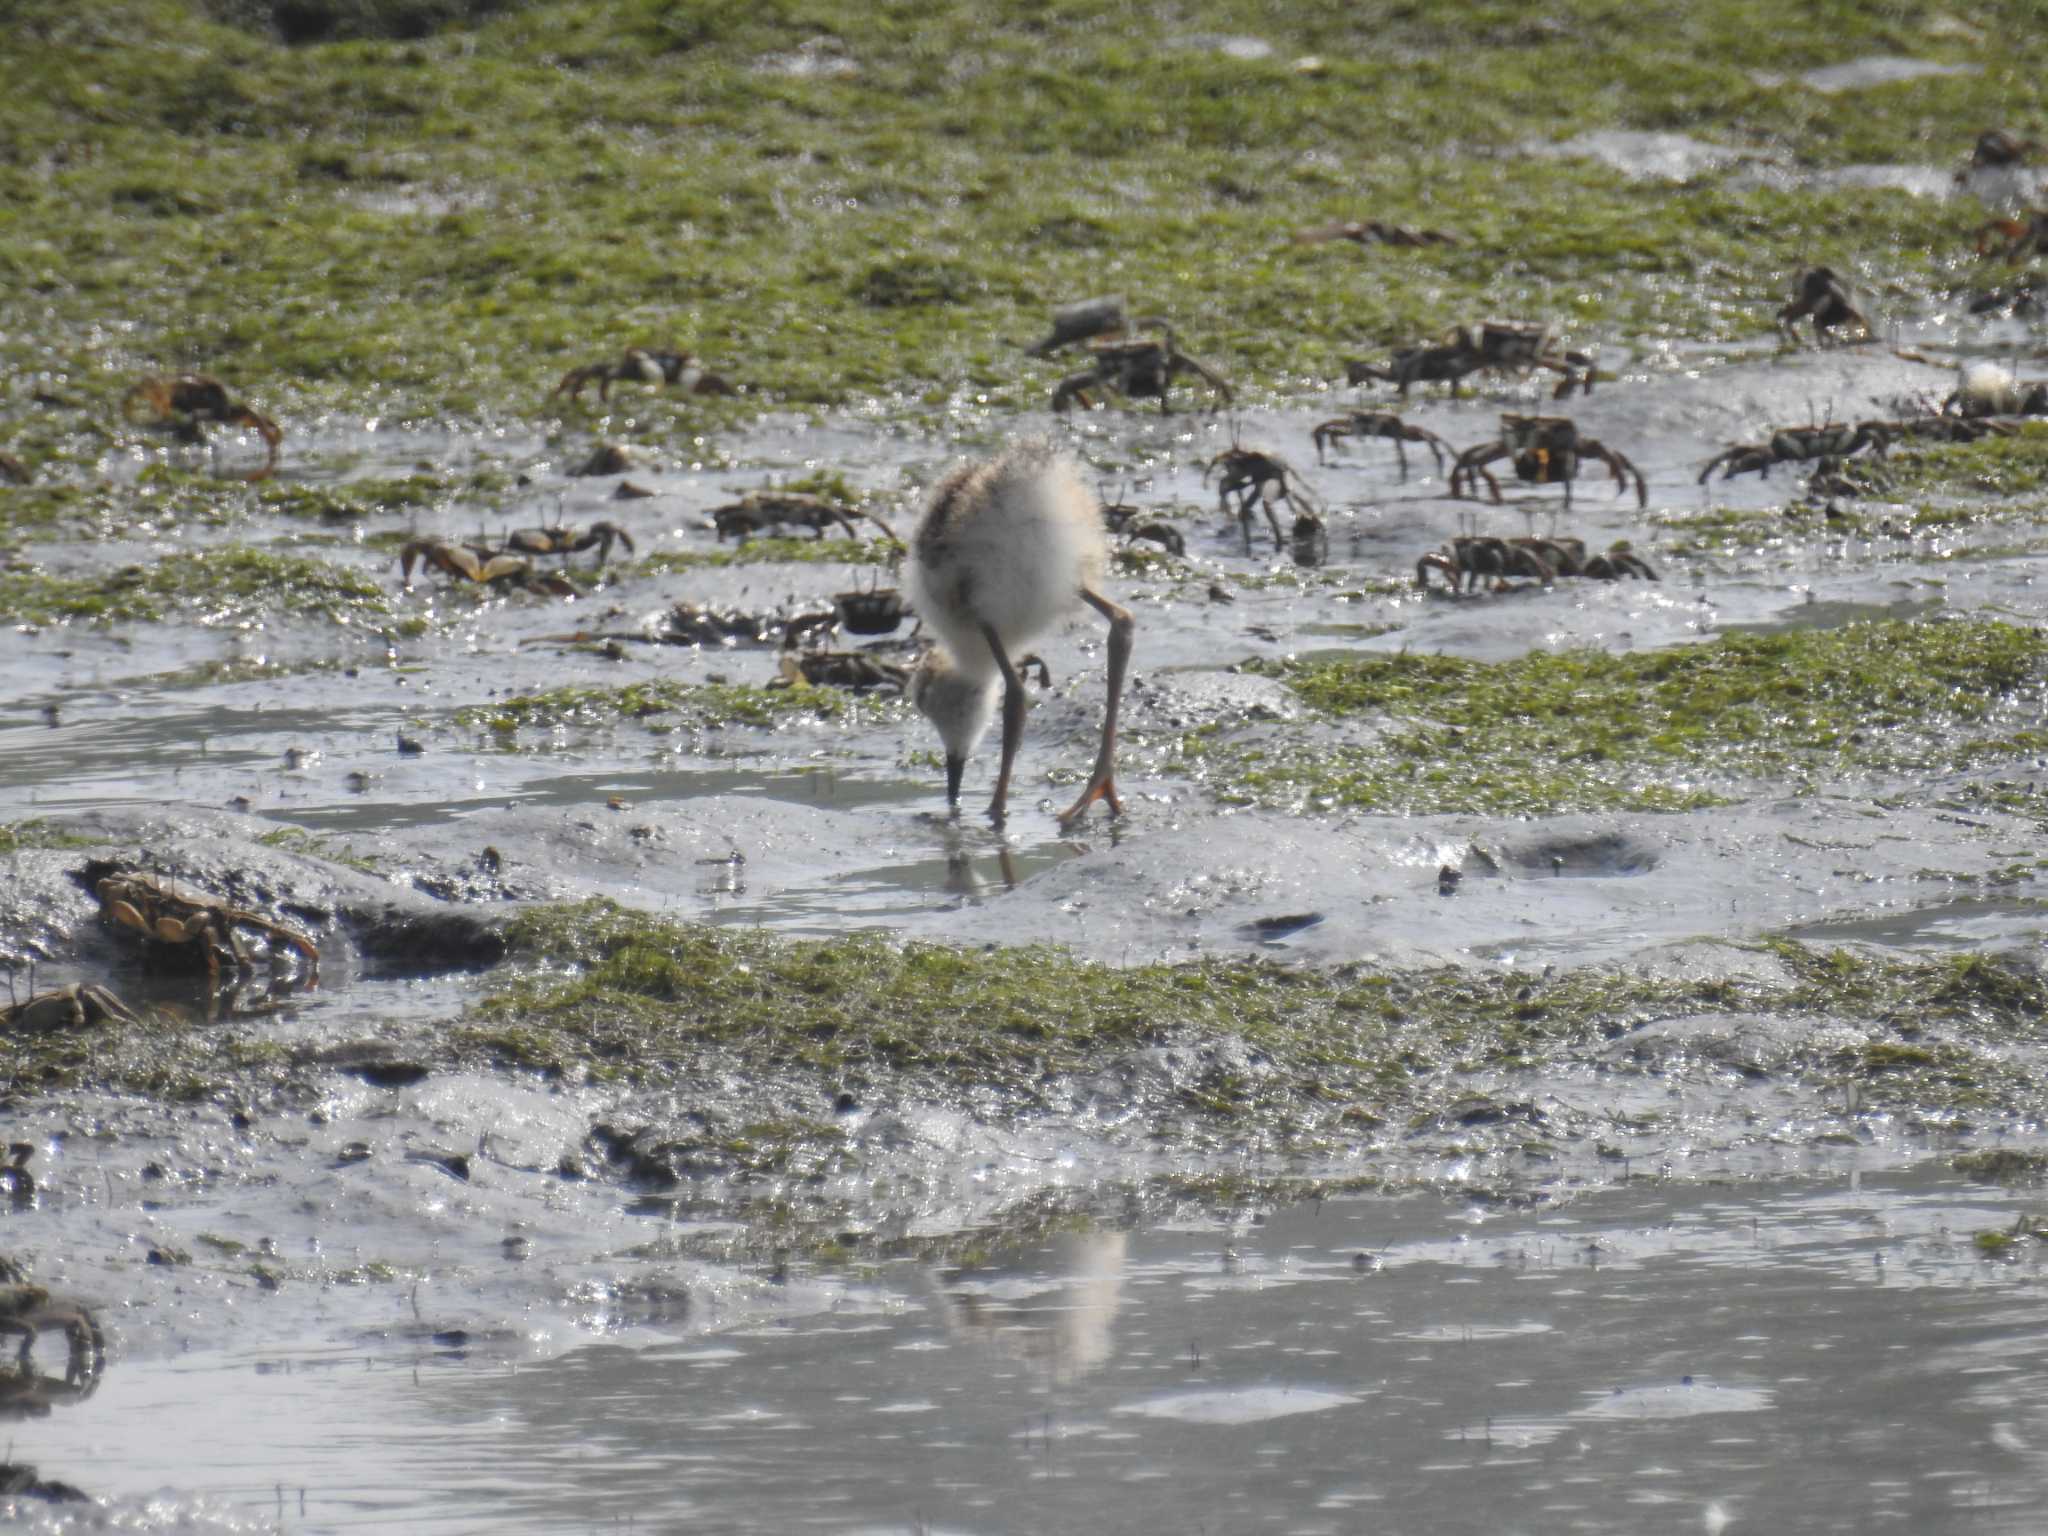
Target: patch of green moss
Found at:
x=353, y=501
x=2002, y=1165
x=1664, y=730
x=26, y=836
x=1241, y=1053
x=661, y=704
x=652, y=174
x=228, y=587
x=617, y=994
x=312, y=845
x=1991, y=466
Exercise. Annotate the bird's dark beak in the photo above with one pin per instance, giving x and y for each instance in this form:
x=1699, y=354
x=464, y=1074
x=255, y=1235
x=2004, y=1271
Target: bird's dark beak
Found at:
x=955, y=766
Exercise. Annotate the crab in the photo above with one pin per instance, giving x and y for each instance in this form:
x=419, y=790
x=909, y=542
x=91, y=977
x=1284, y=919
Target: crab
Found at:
x=758, y=511
x=479, y=564
x=173, y=915
x=1470, y=559
x=643, y=365
x=1308, y=541
x=1138, y=368
x=1822, y=296
x=1255, y=474
x=72, y=1007
x=1373, y=232
x=1504, y=346
x=12, y=470
x=28, y=1311
x=856, y=670
x=1568, y=557
x=184, y=404
x=877, y=611
x=1165, y=535
x=1997, y=149
x=558, y=540
x=2015, y=239
x=2026, y=297
x=1545, y=450
x=1378, y=424
x=1787, y=445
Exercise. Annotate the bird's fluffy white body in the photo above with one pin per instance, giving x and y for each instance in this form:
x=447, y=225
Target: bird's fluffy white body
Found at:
x=1008, y=543
x=1983, y=386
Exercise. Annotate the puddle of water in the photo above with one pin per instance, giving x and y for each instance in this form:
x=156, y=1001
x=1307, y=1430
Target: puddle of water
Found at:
x=1878, y=69
x=1973, y=923
x=1919, y=180
x=1810, y=1356
x=1837, y=613
x=1647, y=156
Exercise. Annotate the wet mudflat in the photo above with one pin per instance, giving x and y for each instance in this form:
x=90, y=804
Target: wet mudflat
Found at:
x=1834, y=1353
x=1562, y=1056
x=381, y=1265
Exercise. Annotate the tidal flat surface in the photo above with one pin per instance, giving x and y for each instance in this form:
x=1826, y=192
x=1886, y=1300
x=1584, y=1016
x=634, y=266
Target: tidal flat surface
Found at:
x=1564, y=1056
x=996, y=1319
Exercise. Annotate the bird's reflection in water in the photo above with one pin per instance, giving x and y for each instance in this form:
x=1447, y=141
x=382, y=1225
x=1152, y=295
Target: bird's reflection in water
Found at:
x=1053, y=1308
x=963, y=878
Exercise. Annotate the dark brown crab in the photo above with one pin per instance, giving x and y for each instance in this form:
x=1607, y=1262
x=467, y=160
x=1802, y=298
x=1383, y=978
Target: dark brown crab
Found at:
x=1545, y=450
x=2025, y=297
x=878, y=610
x=643, y=365
x=558, y=540
x=1377, y=424
x=1255, y=475
x=1468, y=560
x=1791, y=445
x=1137, y=368
x=1568, y=557
x=1502, y=346
x=758, y=511
x=1996, y=149
x=1822, y=296
x=184, y=404
x=173, y=916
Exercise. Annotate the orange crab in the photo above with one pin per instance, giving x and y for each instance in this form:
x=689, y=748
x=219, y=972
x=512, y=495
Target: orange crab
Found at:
x=185, y=403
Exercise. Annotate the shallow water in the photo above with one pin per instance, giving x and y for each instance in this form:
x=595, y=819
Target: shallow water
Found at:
x=1827, y=1353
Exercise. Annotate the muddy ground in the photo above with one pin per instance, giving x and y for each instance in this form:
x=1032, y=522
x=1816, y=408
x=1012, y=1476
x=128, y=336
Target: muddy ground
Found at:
x=1609, y=949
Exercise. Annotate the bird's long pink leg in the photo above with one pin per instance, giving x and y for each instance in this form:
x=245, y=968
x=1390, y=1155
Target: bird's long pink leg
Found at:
x=1013, y=723
x=1102, y=783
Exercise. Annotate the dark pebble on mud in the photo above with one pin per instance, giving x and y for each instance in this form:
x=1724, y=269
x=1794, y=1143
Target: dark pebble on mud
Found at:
x=372, y=1062
x=18, y=1480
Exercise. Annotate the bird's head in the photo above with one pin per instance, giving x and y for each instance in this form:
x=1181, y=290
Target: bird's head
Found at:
x=961, y=704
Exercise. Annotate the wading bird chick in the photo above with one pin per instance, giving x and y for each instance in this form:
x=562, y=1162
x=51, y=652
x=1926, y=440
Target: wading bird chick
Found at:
x=1005, y=549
